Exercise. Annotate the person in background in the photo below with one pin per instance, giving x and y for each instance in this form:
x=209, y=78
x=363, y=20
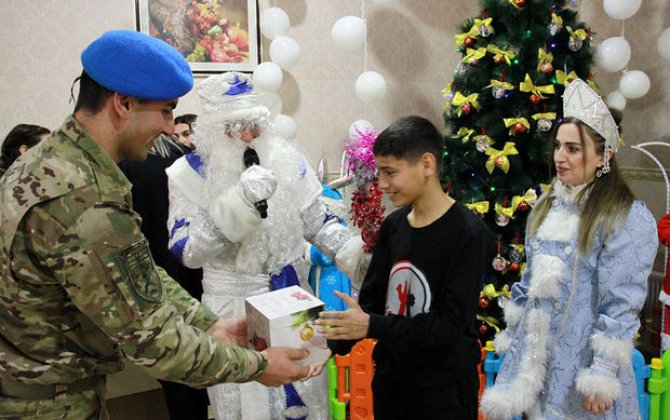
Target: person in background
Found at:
x=79, y=291
x=183, y=128
x=573, y=316
x=18, y=141
x=419, y=296
x=217, y=197
x=151, y=202
x=664, y=294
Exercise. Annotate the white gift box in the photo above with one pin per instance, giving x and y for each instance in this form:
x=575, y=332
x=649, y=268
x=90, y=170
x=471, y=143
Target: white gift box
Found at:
x=285, y=318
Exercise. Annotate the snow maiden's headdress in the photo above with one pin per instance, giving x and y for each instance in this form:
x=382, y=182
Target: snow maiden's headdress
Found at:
x=583, y=103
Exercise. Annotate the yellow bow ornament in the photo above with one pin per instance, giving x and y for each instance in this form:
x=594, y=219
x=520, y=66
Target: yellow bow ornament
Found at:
x=499, y=55
x=460, y=100
x=512, y=122
x=472, y=55
x=499, y=158
x=543, y=58
x=464, y=134
x=530, y=197
x=564, y=79
x=507, y=211
x=528, y=86
x=480, y=207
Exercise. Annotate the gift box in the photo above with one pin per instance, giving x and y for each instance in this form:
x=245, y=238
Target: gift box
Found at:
x=285, y=318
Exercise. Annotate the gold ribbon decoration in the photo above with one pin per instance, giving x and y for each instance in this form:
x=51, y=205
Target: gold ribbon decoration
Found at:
x=500, y=158
x=460, y=100
x=480, y=207
x=459, y=39
x=556, y=20
x=543, y=58
x=464, y=134
x=579, y=33
x=494, y=83
x=489, y=291
x=529, y=197
x=512, y=122
x=472, y=55
x=545, y=187
x=507, y=211
x=490, y=321
x=545, y=115
x=564, y=79
x=518, y=4
x=520, y=248
x=528, y=86
x=499, y=54
x=478, y=23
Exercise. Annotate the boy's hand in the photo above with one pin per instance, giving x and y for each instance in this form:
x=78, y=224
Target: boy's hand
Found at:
x=351, y=324
x=233, y=331
x=282, y=368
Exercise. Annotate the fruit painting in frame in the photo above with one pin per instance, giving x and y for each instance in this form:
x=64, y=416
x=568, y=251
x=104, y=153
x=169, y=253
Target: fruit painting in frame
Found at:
x=213, y=35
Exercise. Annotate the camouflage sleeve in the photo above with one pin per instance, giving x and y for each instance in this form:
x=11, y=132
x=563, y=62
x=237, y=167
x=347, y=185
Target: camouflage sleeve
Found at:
x=104, y=264
x=191, y=309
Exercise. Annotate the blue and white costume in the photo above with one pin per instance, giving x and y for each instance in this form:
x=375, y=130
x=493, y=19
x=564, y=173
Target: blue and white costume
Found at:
x=212, y=226
x=572, y=318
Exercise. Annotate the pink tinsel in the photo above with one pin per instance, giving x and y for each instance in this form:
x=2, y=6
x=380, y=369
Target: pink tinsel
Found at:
x=361, y=151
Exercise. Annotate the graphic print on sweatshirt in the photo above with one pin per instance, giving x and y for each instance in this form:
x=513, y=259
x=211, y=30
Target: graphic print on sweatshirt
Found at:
x=408, y=293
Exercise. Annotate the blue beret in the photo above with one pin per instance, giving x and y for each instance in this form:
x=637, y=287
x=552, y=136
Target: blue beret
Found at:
x=136, y=64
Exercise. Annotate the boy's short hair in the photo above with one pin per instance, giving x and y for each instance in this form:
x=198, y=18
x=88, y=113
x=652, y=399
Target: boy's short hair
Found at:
x=409, y=138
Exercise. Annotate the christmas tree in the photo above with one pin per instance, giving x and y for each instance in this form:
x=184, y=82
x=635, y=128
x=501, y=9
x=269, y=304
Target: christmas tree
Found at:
x=517, y=58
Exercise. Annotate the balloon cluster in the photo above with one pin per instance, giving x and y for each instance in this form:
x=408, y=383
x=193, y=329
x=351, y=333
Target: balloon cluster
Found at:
x=614, y=53
x=268, y=76
x=349, y=33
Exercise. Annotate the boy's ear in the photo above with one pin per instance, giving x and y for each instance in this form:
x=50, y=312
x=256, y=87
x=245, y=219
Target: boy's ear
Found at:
x=429, y=164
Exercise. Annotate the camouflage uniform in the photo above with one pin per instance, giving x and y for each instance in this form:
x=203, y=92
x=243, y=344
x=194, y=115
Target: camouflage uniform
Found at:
x=79, y=290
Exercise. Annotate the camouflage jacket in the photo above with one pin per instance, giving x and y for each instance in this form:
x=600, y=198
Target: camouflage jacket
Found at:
x=78, y=287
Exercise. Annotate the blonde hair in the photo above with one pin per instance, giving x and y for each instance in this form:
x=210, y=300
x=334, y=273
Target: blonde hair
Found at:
x=608, y=198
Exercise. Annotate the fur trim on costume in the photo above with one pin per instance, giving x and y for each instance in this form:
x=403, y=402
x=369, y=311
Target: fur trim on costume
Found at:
x=233, y=216
x=187, y=179
x=546, y=274
x=607, y=388
x=618, y=351
x=566, y=192
x=513, y=313
x=559, y=226
x=664, y=298
x=502, y=341
x=504, y=401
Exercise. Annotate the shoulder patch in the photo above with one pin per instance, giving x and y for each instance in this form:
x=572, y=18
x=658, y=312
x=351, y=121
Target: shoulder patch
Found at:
x=139, y=272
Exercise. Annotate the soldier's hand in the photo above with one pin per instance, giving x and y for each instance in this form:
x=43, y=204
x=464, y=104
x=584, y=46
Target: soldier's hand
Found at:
x=233, y=331
x=282, y=368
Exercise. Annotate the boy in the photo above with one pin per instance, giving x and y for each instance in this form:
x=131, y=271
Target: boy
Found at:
x=419, y=296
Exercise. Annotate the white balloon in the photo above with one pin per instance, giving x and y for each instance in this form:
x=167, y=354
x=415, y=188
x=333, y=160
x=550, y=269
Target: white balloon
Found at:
x=613, y=54
x=284, y=126
x=634, y=84
x=348, y=32
x=621, y=9
x=362, y=126
x=268, y=77
x=663, y=44
x=284, y=51
x=616, y=100
x=274, y=23
x=370, y=86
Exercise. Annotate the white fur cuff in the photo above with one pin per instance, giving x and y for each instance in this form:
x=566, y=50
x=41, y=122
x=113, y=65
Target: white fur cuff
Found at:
x=350, y=259
x=619, y=352
x=608, y=388
x=233, y=216
x=664, y=298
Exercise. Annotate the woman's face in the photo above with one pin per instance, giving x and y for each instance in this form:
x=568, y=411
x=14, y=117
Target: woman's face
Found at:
x=575, y=157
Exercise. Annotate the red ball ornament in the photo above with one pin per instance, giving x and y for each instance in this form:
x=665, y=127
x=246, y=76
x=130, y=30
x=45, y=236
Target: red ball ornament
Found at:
x=534, y=99
x=469, y=42
x=466, y=108
x=483, y=329
x=484, y=302
x=519, y=128
x=499, y=161
x=546, y=68
x=499, y=59
x=514, y=266
x=520, y=3
x=523, y=206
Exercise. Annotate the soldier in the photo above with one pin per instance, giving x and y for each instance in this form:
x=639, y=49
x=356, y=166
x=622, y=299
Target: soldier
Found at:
x=79, y=291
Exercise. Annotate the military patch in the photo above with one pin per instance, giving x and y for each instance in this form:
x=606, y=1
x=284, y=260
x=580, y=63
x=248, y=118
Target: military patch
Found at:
x=137, y=269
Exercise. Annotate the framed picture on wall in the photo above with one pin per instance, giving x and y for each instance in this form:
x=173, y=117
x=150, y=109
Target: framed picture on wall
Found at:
x=213, y=35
